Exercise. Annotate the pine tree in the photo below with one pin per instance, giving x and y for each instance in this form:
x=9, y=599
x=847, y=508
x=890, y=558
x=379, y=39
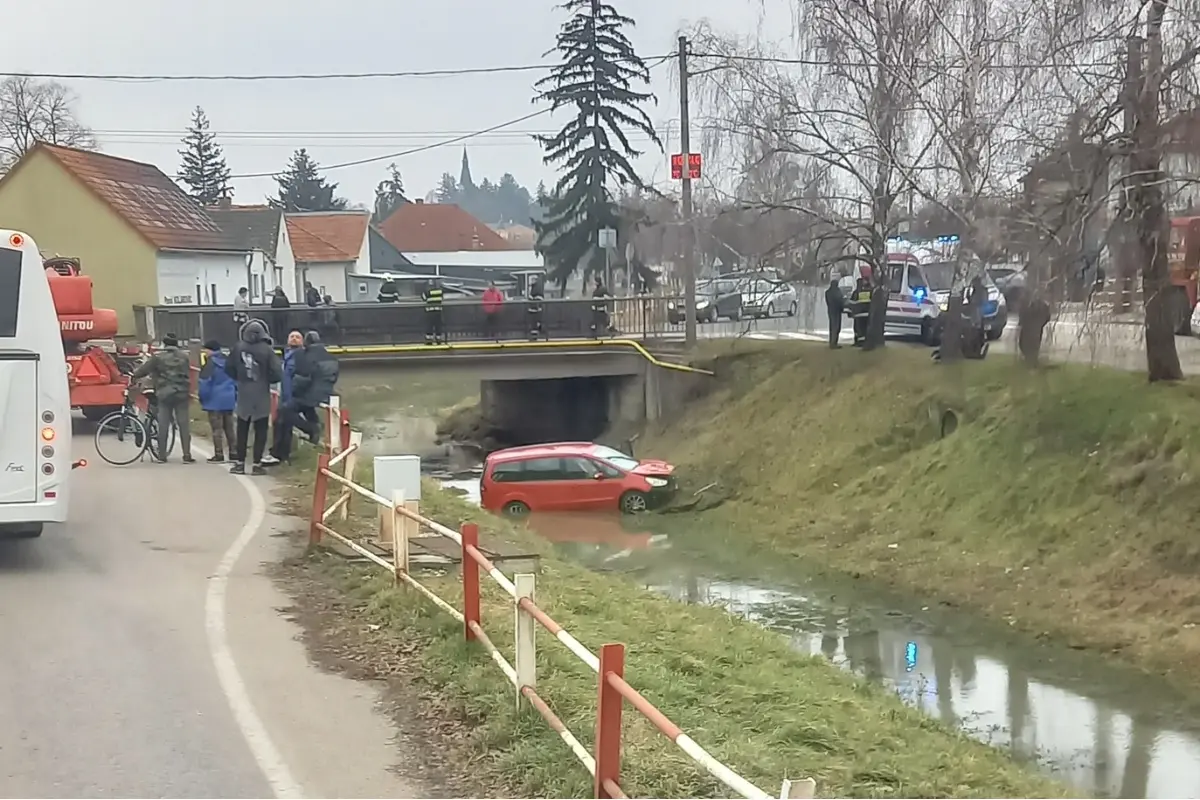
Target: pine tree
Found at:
x=389, y=194
x=203, y=169
x=447, y=189
x=598, y=72
x=303, y=188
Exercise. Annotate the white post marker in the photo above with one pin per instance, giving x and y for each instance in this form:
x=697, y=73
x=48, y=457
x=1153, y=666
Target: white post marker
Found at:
x=803, y=789
x=399, y=534
x=525, y=628
x=333, y=427
x=397, y=474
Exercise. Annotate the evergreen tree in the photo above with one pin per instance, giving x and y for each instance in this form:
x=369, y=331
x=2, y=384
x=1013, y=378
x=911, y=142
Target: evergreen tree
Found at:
x=303, y=188
x=389, y=194
x=203, y=169
x=597, y=76
x=447, y=189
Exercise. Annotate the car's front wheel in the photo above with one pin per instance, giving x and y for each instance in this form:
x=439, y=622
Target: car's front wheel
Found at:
x=515, y=508
x=994, y=333
x=634, y=502
x=793, y=308
x=770, y=312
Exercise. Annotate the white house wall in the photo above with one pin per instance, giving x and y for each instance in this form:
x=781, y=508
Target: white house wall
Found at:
x=330, y=279
x=285, y=264
x=363, y=265
x=200, y=278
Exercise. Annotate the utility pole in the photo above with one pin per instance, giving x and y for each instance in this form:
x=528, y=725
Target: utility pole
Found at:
x=689, y=260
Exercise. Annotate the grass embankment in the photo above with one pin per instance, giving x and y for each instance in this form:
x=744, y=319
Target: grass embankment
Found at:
x=738, y=689
x=1065, y=502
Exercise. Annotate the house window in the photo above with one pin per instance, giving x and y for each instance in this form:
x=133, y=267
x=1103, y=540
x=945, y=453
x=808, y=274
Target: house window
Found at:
x=256, y=286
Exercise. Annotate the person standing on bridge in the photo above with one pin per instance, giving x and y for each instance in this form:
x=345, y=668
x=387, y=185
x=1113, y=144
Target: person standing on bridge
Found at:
x=835, y=305
x=170, y=372
x=241, y=306
x=218, y=397
x=537, y=294
x=435, y=328
x=600, y=297
x=389, y=292
x=255, y=365
x=493, y=304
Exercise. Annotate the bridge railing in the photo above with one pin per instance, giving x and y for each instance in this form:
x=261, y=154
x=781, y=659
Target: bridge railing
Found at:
x=645, y=317
x=335, y=477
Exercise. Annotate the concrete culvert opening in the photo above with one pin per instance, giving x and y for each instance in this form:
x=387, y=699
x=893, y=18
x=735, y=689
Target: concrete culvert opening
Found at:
x=948, y=423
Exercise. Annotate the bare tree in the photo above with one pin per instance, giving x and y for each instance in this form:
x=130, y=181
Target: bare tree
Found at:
x=33, y=111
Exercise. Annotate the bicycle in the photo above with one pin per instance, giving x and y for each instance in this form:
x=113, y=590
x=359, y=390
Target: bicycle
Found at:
x=129, y=425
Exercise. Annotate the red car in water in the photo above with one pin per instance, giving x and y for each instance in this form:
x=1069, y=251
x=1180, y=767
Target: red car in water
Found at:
x=572, y=476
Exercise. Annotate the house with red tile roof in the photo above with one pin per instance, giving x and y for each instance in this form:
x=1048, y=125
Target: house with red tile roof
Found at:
x=260, y=230
x=142, y=240
x=443, y=239
x=331, y=248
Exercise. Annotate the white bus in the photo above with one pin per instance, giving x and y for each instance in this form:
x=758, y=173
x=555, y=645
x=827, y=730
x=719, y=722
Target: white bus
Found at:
x=35, y=401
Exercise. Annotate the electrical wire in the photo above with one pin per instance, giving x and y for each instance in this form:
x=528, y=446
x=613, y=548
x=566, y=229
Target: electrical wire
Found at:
x=819, y=62
x=299, y=76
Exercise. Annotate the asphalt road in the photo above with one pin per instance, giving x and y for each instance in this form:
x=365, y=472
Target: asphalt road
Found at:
x=144, y=654
x=1073, y=336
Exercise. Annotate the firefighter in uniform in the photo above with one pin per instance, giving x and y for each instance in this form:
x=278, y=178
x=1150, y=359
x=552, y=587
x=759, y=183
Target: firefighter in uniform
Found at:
x=534, y=308
x=599, y=308
x=389, y=292
x=860, y=309
x=435, y=330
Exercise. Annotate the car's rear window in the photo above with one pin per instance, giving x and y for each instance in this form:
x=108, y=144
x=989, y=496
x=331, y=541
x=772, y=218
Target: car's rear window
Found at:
x=10, y=291
x=528, y=469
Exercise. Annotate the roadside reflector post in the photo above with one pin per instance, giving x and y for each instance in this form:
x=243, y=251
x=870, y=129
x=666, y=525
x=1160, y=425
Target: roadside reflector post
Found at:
x=525, y=628
x=399, y=535
x=802, y=789
x=470, y=575
x=608, y=720
x=320, y=490
x=333, y=424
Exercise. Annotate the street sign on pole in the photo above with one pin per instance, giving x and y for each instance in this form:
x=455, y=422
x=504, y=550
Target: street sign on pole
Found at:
x=608, y=238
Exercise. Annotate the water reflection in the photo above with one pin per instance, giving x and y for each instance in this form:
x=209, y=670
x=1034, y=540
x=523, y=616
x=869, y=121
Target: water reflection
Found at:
x=1104, y=730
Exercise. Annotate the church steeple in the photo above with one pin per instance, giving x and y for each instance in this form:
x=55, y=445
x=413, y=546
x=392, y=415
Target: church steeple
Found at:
x=464, y=178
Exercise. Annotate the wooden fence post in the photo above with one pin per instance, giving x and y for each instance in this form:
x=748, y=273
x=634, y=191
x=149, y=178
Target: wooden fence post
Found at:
x=320, y=490
x=333, y=424
x=351, y=465
x=470, y=575
x=608, y=720
x=399, y=535
x=345, y=428
x=525, y=629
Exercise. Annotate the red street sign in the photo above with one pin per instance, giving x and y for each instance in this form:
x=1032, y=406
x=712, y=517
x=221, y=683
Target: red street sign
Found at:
x=694, y=162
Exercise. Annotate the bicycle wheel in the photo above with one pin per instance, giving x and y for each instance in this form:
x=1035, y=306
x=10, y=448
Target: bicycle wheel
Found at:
x=121, y=438
x=151, y=424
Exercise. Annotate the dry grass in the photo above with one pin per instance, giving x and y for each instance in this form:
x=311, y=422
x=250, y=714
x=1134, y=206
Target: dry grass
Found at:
x=1066, y=501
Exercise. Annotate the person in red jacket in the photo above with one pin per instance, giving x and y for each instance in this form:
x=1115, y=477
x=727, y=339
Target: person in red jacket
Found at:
x=493, y=301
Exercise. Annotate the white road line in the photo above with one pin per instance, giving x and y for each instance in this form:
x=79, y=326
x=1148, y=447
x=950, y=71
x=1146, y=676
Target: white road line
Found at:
x=273, y=767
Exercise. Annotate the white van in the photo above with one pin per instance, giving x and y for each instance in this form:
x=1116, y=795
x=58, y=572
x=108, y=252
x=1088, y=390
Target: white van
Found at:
x=35, y=401
x=912, y=308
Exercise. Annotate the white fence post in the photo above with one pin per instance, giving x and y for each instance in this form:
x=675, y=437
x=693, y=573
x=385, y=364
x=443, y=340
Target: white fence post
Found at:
x=526, y=640
x=399, y=534
x=803, y=789
x=333, y=425
x=351, y=463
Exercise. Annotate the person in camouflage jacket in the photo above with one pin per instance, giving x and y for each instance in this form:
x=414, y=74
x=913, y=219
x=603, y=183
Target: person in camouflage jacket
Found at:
x=170, y=373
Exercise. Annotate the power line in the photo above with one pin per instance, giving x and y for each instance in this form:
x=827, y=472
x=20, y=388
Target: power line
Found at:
x=412, y=151
x=298, y=76
x=820, y=62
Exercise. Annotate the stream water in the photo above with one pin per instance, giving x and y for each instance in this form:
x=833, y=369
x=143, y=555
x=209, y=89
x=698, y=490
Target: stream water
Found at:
x=1107, y=730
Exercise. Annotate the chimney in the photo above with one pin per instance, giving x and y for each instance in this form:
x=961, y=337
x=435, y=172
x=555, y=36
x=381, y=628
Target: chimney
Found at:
x=419, y=201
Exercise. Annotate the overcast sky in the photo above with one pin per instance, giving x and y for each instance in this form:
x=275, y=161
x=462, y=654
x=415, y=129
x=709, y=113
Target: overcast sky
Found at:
x=261, y=123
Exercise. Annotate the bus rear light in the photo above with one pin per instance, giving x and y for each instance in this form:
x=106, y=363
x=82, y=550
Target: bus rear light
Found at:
x=47, y=417
x=48, y=434
x=47, y=469
x=17, y=240
x=50, y=495
x=47, y=452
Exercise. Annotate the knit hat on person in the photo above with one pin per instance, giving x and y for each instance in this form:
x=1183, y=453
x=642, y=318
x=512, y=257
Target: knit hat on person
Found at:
x=170, y=340
x=213, y=345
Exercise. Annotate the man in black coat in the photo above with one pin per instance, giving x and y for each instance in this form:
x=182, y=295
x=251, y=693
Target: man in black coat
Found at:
x=312, y=386
x=835, y=304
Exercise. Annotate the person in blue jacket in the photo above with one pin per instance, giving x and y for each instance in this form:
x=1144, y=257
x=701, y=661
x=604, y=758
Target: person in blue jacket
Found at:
x=218, y=397
x=281, y=440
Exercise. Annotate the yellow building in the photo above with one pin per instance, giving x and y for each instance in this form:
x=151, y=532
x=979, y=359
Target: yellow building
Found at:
x=142, y=240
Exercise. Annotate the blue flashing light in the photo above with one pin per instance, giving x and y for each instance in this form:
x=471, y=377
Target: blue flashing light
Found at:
x=910, y=656
x=919, y=294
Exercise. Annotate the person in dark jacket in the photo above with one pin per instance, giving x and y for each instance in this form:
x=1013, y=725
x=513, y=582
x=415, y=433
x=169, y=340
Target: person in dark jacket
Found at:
x=435, y=324
x=280, y=316
x=835, y=305
x=328, y=321
x=600, y=297
x=860, y=310
x=312, y=295
x=218, y=398
x=255, y=365
x=170, y=373
x=537, y=294
x=312, y=386
x=281, y=431
x=389, y=292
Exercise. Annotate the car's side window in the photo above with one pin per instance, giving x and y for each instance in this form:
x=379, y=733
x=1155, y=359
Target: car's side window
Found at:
x=895, y=278
x=543, y=469
x=916, y=279
x=575, y=469
x=509, y=472
x=607, y=470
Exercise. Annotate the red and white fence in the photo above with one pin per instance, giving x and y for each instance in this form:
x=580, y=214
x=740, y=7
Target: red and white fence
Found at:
x=335, y=470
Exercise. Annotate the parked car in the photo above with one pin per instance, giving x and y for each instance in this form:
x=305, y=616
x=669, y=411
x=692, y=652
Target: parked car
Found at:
x=572, y=476
x=714, y=299
x=939, y=276
x=763, y=298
